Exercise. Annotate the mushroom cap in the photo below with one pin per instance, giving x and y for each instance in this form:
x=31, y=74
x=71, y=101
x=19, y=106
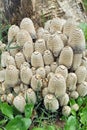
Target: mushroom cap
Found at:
x=64, y=100
x=10, y=98
x=53, y=66
x=74, y=94
x=40, y=32
x=2, y=75
x=10, y=61
x=66, y=110
x=47, y=25
x=4, y=56
x=51, y=103
x=66, y=57
x=82, y=89
x=75, y=107
x=19, y=103
x=37, y=59
x=13, y=51
x=47, y=69
x=41, y=71
x=45, y=91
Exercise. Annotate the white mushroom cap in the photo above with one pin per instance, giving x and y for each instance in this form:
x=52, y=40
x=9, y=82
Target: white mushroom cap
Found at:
x=40, y=32
x=47, y=69
x=33, y=70
x=23, y=37
x=55, y=44
x=45, y=92
x=2, y=89
x=74, y=94
x=66, y=57
x=64, y=100
x=40, y=46
x=12, y=33
x=50, y=75
x=28, y=50
x=17, y=89
x=51, y=103
x=53, y=66
x=10, y=61
x=28, y=25
x=47, y=25
x=2, y=75
x=77, y=58
x=48, y=57
x=19, y=103
x=23, y=88
x=11, y=76
x=45, y=82
x=10, y=98
x=82, y=89
x=36, y=83
x=2, y=46
x=4, y=56
x=25, y=74
x=61, y=69
x=71, y=81
x=3, y=98
x=77, y=40
x=30, y=96
x=37, y=59
x=41, y=71
x=75, y=107
x=25, y=64
x=19, y=59
x=14, y=49
x=66, y=110
x=81, y=74
x=46, y=35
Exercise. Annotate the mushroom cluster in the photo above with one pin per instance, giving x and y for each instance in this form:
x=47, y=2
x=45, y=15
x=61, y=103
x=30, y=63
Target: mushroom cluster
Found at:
x=52, y=61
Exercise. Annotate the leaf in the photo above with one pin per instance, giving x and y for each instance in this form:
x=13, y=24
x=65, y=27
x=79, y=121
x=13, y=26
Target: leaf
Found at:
x=7, y=110
x=71, y=123
x=28, y=110
x=50, y=128
x=83, y=26
x=83, y=116
x=38, y=128
x=79, y=101
x=72, y=102
x=18, y=123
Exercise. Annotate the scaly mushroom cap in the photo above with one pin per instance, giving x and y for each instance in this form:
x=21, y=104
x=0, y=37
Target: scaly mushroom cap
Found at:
x=82, y=89
x=2, y=75
x=69, y=25
x=47, y=25
x=30, y=96
x=36, y=83
x=33, y=70
x=40, y=46
x=57, y=85
x=75, y=107
x=81, y=74
x=19, y=59
x=61, y=69
x=41, y=71
x=10, y=98
x=55, y=25
x=19, y=103
x=37, y=59
x=71, y=81
x=25, y=64
x=28, y=25
x=66, y=110
x=50, y=75
x=47, y=69
x=45, y=92
x=51, y=103
x=53, y=66
x=22, y=37
x=28, y=50
x=40, y=32
x=77, y=41
x=12, y=33
x=25, y=74
x=10, y=61
x=4, y=56
x=74, y=94
x=66, y=57
x=17, y=89
x=11, y=76
x=64, y=100
x=45, y=82
x=46, y=35
x=55, y=44
x=64, y=39
x=48, y=57
x=23, y=88
x=77, y=58
x=14, y=49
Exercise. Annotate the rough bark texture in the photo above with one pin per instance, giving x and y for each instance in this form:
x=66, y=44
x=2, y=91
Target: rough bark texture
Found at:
x=41, y=10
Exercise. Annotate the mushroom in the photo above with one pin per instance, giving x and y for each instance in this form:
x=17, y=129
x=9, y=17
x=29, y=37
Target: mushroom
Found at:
x=2, y=89
x=16, y=89
x=41, y=71
x=66, y=57
x=53, y=66
x=75, y=107
x=19, y=59
x=47, y=69
x=84, y=62
x=40, y=32
x=22, y=37
x=81, y=74
x=28, y=50
x=30, y=96
x=19, y=103
x=10, y=61
x=82, y=88
x=12, y=33
x=28, y=25
x=10, y=98
x=37, y=59
x=66, y=110
x=74, y=94
x=77, y=41
x=64, y=100
x=61, y=69
x=2, y=75
x=47, y=25
x=11, y=76
x=4, y=56
x=45, y=91
x=48, y=57
x=23, y=88
x=51, y=103
x=14, y=49
x=3, y=98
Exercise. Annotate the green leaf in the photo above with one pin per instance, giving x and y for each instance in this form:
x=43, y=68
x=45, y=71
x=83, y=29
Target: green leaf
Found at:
x=28, y=110
x=83, y=116
x=38, y=128
x=50, y=127
x=71, y=123
x=80, y=101
x=18, y=123
x=72, y=101
x=7, y=110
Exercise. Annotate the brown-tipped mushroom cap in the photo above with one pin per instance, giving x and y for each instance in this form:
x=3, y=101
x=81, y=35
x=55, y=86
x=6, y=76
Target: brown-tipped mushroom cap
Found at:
x=66, y=110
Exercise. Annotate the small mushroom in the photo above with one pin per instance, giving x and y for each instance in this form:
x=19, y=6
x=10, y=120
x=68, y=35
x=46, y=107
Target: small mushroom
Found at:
x=40, y=32
x=19, y=103
x=47, y=25
x=47, y=69
x=45, y=91
x=37, y=59
x=81, y=74
x=41, y=71
x=71, y=81
x=48, y=57
x=2, y=75
x=2, y=89
x=82, y=89
x=64, y=100
x=14, y=49
x=74, y=94
x=30, y=96
x=4, y=56
x=51, y=103
x=10, y=98
x=3, y=98
x=66, y=57
x=66, y=110
x=53, y=66
x=10, y=61
x=75, y=107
